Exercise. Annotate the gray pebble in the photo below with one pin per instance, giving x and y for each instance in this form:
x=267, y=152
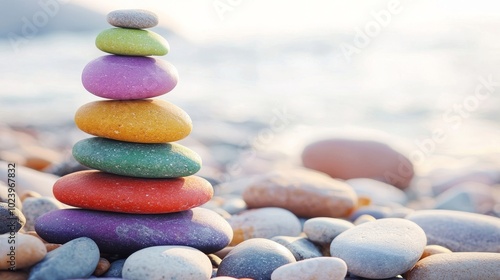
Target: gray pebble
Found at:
x=323, y=230
x=133, y=18
x=115, y=270
x=35, y=207
x=301, y=247
x=77, y=258
x=11, y=219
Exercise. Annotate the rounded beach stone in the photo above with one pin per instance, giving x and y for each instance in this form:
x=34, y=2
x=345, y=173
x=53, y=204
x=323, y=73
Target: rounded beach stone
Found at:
x=323, y=230
x=311, y=269
x=27, y=251
x=349, y=159
x=77, y=258
x=132, y=18
x=459, y=231
x=96, y=190
x=118, y=233
x=255, y=258
x=167, y=262
x=457, y=266
x=115, y=270
x=305, y=193
x=129, y=77
x=379, y=193
x=162, y=160
x=133, y=42
x=11, y=218
x=301, y=247
x=139, y=121
x=35, y=207
x=380, y=249
x=430, y=250
x=264, y=223
x=102, y=266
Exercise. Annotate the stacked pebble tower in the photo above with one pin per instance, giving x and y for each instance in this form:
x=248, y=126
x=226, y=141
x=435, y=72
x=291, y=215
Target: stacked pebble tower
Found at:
x=143, y=192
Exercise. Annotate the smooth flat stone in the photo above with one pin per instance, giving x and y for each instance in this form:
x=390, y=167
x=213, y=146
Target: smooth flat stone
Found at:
x=312, y=269
x=28, y=250
x=163, y=160
x=134, y=42
x=129, y=77
x=138, y=121
x=305, y=193
x=264, y=223
x=457, y=266
x=96, y=190
x=380, y=249
x=255, y=258
x=76, y=259
x=349, y=159
x=459, y=231
x=118, y=233
x=132, y=18
x=167, y=262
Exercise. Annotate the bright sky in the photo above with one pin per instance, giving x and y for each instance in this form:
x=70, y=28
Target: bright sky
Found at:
x=206, y=19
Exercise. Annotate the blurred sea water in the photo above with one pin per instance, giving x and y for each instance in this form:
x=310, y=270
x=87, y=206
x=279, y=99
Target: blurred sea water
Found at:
x=279, y=92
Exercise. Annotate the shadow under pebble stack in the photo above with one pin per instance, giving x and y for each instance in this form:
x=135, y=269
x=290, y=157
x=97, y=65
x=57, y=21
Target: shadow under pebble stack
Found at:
x=142, y=192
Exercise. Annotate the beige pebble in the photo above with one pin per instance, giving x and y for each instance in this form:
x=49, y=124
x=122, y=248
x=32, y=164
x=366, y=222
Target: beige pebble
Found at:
x=14, y=275
x=28, y=250
x=28, y=194
x=457, y=266
x=364, y=219
x=305, y=193
x=102, y=266
x=430, y=250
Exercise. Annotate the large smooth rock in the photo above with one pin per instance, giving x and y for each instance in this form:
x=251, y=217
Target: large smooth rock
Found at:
x=132, y=18
x=118, y=233
x=167, y=262
x=164, y=160
x=264, y=223
x=133, y=42
x=380, y=249
x=139, y=121
x=77, y=258
x=304, y=193
x=93, y=189
x=255, y=258
x=326, y=268
x=349, y=159
x=459, y=231
x=129, y=77
x=457, y=266
x=20, y=251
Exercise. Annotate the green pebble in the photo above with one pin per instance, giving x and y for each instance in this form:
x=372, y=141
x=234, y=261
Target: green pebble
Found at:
x=164, y=160
x=134, y=42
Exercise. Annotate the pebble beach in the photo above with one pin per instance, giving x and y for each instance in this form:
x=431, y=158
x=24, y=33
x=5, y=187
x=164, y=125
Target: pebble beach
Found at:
x=140, y=184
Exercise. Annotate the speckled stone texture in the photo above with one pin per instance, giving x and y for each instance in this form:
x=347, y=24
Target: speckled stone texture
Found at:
x=75, y=259
x=167, y=262
x=139, y=121
x=380, y=249
x=134, y=42
x=129, y=77
x=118, y=233
x=98, y=190
x=457, y=266
x=169, y=160
x=459, y=231
x=132, y=18
x=255, y=258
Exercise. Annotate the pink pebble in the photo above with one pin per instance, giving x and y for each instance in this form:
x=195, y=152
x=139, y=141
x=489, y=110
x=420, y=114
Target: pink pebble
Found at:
x=129, y=77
